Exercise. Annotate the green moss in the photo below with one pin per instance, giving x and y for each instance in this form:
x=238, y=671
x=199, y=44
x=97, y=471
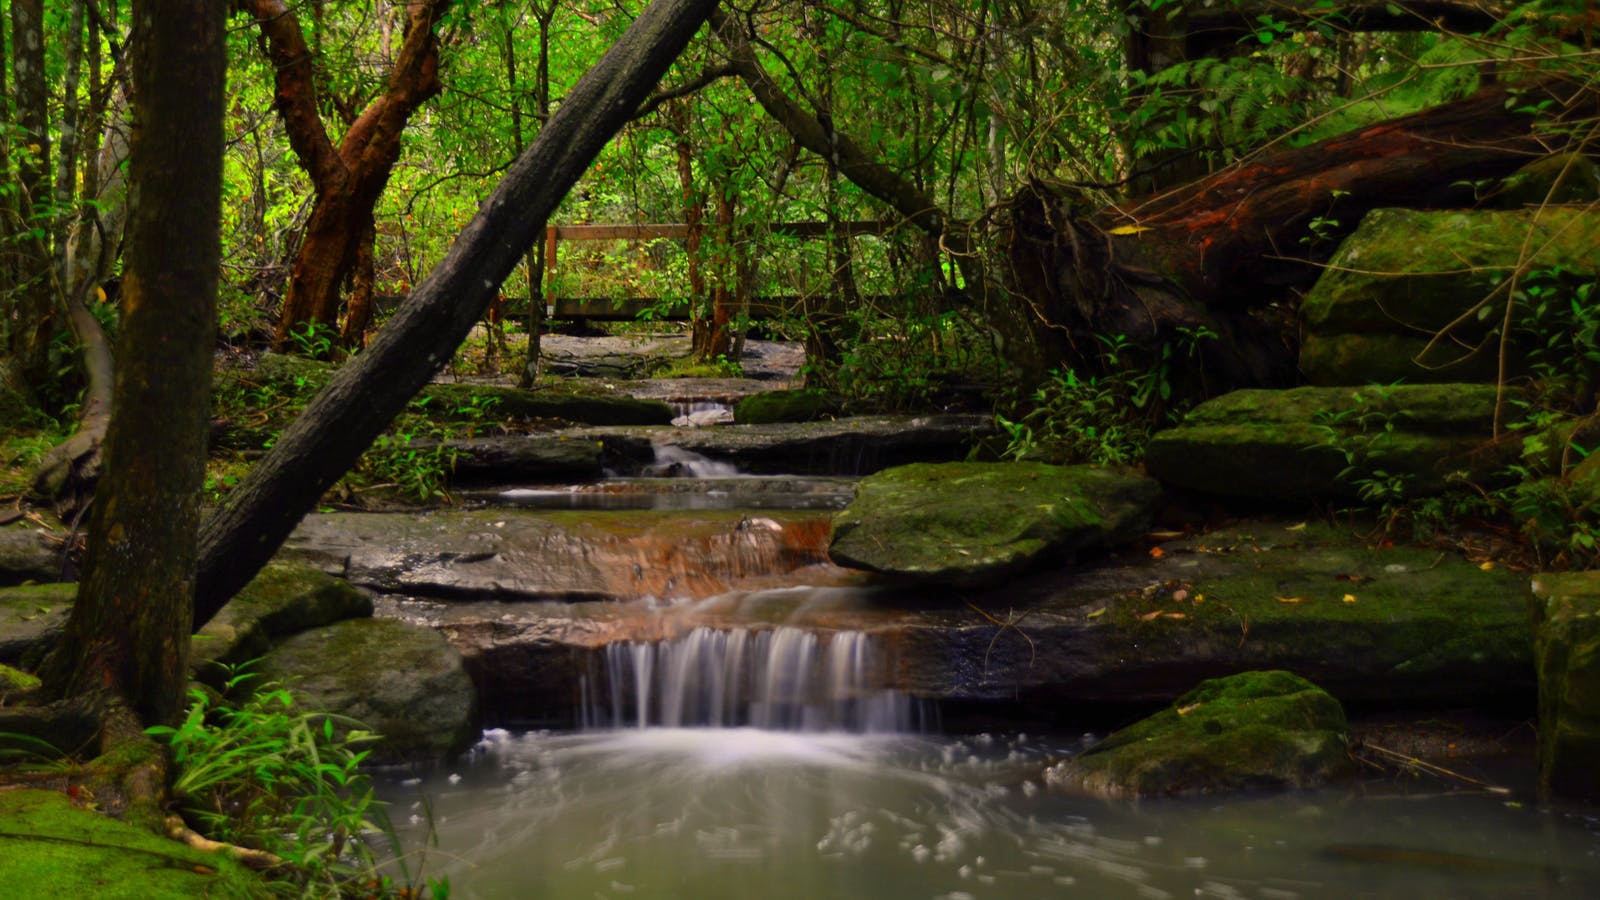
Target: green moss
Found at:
x=1565, y=609
x=803, y=405
x=968, y=520
x=50, y=848
x=1268, y=729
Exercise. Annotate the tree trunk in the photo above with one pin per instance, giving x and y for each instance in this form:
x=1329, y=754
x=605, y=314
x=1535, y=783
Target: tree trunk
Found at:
x=27, y=310
x=1215, y=252
x=347, y=180
x=367, y=392
x=535, y=257
x=127, y=635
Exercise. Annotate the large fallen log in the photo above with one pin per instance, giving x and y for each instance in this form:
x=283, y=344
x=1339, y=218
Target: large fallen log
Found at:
x=1224, y=252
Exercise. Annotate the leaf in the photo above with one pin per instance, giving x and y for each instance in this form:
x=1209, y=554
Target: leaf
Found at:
x=1097, y=613
x=1349, y=598
x=1290, y=599
x=1127, y=229
x=1486, y=565
x=1157, y=553
x=1150, y=615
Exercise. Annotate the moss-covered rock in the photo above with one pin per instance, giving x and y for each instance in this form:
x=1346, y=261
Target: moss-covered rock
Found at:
x=1408, y=275
x=802, y=405
x=1293, y=443
x=1252, y=731
x=282, y=600
x=1566, y=614
x=31, y=618
x=53, y=848
x=970, y=522
x=401, y=680
x=1561, y=178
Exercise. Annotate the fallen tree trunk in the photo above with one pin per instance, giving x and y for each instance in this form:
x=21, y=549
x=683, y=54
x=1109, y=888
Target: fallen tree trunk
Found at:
x=1222, y=252
x=341, y=421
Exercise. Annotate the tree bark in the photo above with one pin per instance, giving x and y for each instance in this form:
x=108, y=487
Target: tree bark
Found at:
x=28, y=309
x=367, y=392
x=347, y=179
x=127, y=637
x=1215, y=252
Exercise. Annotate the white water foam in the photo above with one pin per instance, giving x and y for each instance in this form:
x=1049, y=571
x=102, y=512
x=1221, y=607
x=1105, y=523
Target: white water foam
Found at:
x=780, y=679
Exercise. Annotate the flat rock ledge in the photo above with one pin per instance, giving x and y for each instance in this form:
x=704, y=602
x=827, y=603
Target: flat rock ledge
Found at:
x=1250, y=731
x=970, y=523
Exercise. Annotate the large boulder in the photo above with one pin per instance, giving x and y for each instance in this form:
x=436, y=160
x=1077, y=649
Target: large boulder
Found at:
x=798, y=405
x=1566, y=615
x=970, y=523
x=1294, y=444
x=1405, y=276
x=1559, y=178
x=1252, y=731
x=283, y=599
x=32, y=617
x=403, y=681
x=27, y=554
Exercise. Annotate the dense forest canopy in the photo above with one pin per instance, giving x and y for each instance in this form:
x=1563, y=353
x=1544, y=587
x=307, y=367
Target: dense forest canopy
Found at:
x=959, y=104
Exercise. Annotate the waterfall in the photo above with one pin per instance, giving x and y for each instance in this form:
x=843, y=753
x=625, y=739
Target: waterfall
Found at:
x=786, y=679
x=673, y=461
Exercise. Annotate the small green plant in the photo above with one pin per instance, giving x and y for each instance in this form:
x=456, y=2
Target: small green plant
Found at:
x=269, y=775
x=1365, y=435
x=314, y=340
x=1104, y=419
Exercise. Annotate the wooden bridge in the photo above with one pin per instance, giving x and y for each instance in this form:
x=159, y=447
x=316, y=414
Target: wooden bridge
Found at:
x=627, y=309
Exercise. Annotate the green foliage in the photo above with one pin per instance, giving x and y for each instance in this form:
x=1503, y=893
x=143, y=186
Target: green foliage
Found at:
x=269, y=775
x=1551, y=499
x=1104, y=419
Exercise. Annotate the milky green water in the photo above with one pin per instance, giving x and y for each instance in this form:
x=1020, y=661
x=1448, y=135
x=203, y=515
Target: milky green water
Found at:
x=735, y=813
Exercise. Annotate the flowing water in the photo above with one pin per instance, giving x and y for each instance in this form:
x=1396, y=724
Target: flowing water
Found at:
x=772, y=763
x=736, y=755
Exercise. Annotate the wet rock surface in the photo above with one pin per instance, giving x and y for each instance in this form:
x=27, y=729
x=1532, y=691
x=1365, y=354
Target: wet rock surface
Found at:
x=28, y=555
x=1397, y=627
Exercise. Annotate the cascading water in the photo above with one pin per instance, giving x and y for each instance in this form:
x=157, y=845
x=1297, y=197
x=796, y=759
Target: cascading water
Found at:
x=787, y=679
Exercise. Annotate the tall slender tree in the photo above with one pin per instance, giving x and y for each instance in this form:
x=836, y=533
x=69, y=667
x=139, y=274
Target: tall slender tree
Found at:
x=126, y=640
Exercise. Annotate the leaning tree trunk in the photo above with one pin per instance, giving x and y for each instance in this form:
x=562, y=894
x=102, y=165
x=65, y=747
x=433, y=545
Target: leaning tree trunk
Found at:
x=367, y=392
x=1216, y=252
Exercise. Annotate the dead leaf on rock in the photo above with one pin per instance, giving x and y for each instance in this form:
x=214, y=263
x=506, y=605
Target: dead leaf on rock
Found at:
x=1290, y=599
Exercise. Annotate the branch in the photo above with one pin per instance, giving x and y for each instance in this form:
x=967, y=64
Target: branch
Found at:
x=706, y=77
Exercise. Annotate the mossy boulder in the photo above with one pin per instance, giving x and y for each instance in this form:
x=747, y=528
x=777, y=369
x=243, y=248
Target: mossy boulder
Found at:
x=969, y=523
x=1293, y=444
x=1566, y=614
x=1252, y=731
x=802, y=405
x=1561, y=178
x=52, y=847
x=401, y=680
x=282, y=600
x=1404, y=276
x=31, y=618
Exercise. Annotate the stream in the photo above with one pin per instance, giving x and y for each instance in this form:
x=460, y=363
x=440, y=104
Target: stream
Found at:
x=722, y=755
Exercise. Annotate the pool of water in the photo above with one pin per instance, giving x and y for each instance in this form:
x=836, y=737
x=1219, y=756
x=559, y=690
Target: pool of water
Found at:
x=741, y=812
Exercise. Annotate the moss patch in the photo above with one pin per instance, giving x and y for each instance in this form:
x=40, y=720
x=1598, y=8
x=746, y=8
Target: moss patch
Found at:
x=803, y=405
x=51, y=848
x=968, y=521
x=1254, y=730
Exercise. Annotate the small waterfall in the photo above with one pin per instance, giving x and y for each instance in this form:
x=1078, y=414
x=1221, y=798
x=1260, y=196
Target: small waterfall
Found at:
x=675, y=462
x=787, y=679
x=700, y=413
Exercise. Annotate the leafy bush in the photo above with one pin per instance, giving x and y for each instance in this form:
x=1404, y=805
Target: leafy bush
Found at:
x=268, y=775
